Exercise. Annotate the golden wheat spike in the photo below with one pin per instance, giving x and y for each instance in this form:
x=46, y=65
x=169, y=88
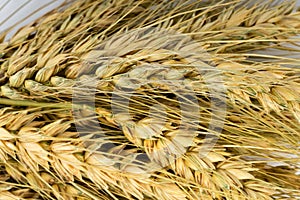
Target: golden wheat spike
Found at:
x=44, y=150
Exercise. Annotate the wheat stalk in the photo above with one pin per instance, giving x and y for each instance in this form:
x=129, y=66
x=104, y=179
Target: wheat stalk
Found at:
x=41, y=149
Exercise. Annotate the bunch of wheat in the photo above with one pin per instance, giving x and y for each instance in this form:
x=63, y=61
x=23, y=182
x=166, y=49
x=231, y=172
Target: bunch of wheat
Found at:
x=57, y=143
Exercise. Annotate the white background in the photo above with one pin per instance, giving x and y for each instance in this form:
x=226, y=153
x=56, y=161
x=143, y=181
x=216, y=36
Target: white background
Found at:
x=12, y=11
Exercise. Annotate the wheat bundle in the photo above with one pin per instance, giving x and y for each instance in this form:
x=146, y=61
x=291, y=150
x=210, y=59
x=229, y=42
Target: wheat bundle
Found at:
x=152, y=100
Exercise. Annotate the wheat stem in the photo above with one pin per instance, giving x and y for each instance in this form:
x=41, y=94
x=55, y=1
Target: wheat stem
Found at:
x=67, y=106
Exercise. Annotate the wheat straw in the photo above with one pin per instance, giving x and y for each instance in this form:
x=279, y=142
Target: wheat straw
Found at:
x=44, y=156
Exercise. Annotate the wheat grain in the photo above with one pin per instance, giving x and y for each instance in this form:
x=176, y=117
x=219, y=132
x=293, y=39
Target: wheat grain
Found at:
x=41, y=150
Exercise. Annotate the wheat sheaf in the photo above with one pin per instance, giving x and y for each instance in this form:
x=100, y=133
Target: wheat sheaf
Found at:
x=89, y=111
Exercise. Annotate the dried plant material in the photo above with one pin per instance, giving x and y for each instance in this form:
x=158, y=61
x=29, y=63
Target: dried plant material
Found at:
x=5, y=135
x=11, y=93
x=240, y=174
x=33, y=155
x=55, y=128
x=91, y=112
x=18, y=79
